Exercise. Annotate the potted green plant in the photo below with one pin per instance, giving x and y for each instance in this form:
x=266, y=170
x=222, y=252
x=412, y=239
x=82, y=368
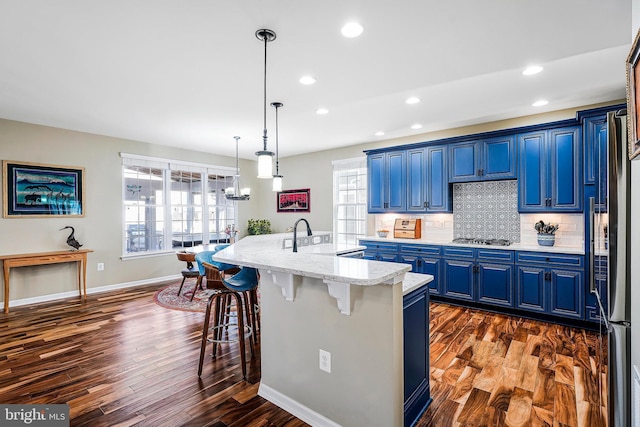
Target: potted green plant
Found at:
x=546, y=233
x=259, y=226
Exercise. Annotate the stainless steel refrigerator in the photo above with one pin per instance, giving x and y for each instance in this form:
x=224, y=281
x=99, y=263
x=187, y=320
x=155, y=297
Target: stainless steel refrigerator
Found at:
x=609, y=278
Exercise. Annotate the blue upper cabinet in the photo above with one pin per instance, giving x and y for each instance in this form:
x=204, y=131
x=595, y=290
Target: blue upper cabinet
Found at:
x=465, y=161
x=499, y=158
x=428, y=186
x=550, y=171
x=486, y=159
x=387, y=182
x=595, y=157
x=595, y=146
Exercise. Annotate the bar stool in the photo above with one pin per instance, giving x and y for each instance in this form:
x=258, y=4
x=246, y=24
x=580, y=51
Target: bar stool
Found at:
x=221, y=300
x=246, y=282
x=190, y=271
x=206, y=257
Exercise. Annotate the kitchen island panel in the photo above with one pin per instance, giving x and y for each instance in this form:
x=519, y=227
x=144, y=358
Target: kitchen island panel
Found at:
x=366, y=352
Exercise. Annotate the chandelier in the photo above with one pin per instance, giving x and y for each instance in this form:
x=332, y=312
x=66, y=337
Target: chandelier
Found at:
x=235, y=193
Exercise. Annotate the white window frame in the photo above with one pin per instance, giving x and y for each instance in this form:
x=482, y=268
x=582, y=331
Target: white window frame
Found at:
x=351, y=166
x=167, y=165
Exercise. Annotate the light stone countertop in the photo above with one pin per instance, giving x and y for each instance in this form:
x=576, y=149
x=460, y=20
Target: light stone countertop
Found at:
x=513, y=247
x=413, y=281
x=266, y=252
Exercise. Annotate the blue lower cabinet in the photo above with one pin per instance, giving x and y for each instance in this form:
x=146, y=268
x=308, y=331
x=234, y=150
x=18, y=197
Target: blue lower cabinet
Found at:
x=531, y=291
x=423, y=265
x=480, y=275
x=380, y=251
x=458, y=279
x=495, y=284
x=567, y=293
x=548, y=283
x=417, y=396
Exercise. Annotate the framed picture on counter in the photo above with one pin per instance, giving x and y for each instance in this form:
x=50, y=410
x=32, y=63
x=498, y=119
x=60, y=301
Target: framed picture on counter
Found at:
x=633, y=97
x=294, y=200
x=38, y=190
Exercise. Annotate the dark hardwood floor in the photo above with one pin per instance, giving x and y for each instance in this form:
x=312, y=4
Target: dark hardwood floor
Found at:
x=120, y=359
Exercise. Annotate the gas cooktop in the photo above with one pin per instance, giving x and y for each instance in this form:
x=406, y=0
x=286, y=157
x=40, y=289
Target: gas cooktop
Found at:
x=491, y=242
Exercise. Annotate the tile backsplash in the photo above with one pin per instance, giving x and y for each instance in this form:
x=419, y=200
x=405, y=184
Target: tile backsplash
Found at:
x=486, y=210
x=490, y=210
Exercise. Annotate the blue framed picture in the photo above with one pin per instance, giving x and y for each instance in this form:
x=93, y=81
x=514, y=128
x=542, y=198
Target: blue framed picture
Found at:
x=35, y=190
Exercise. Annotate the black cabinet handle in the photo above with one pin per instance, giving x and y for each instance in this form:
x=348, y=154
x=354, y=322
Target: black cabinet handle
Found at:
x=386, y=205
x=426, y=204
x=419, y=263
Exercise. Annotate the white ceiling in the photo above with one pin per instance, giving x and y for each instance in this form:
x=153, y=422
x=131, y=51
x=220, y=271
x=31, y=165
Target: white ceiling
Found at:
x=189, y=73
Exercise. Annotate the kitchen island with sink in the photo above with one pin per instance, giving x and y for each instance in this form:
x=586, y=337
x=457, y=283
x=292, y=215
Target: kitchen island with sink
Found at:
x=313, y=303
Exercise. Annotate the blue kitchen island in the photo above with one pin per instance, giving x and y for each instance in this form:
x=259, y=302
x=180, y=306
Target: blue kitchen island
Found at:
x=344, y=341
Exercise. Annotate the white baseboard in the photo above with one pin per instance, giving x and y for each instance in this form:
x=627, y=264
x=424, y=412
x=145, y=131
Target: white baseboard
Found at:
x=295, y=408
x=106, y=288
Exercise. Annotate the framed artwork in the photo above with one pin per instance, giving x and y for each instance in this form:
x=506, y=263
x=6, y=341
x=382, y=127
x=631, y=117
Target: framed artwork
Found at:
x=294, y=200
x=633, y=97
x=36, y=190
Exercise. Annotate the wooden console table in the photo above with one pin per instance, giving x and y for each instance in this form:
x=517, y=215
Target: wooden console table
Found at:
x=42, y=258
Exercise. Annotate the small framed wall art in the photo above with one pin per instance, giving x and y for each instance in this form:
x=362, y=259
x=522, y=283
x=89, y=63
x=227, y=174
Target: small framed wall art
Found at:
x=633, y=97
x=294, y=200
x=37, y=190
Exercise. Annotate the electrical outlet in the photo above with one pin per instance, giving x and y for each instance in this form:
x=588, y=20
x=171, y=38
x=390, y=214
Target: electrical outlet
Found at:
x=100, y=266
x=325, y=361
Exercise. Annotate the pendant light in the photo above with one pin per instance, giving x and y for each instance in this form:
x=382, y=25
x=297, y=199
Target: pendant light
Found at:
x=277, y=178
x=265, y=157
x=235, y=193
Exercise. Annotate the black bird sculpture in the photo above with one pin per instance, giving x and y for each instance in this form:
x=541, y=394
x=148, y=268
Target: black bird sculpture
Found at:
x=71, y=240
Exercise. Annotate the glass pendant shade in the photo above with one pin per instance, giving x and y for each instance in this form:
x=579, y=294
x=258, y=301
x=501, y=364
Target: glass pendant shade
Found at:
x=277, y=183
x=265, y=164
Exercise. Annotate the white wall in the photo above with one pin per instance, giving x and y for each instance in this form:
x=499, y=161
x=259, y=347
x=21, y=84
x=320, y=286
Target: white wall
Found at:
x=101, y=227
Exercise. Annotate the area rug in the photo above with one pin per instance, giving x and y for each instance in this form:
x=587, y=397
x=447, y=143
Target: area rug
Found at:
x=168, y=297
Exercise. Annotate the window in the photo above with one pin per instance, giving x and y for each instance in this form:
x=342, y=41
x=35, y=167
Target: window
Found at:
x=165, y=207
x=349, y=200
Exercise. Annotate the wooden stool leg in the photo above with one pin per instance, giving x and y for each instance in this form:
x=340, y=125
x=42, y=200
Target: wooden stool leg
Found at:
x=205, y=332
x=195, y=288
x=247, y=313
x=182, y=284
x=255, y=317
x=243, y=361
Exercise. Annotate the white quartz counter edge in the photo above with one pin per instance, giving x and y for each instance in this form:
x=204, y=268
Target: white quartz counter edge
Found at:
x=265, y=252
x=413, y=281
x=513, y=247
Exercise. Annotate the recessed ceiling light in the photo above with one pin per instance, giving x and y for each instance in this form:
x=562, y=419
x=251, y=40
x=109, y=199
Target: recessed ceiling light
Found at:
x=540, y=103
x=307, y=80
x=531, y=70
x=412, y=100
x=322, y=111
x=379, y=133
x=416, y=126
x=351, y=30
